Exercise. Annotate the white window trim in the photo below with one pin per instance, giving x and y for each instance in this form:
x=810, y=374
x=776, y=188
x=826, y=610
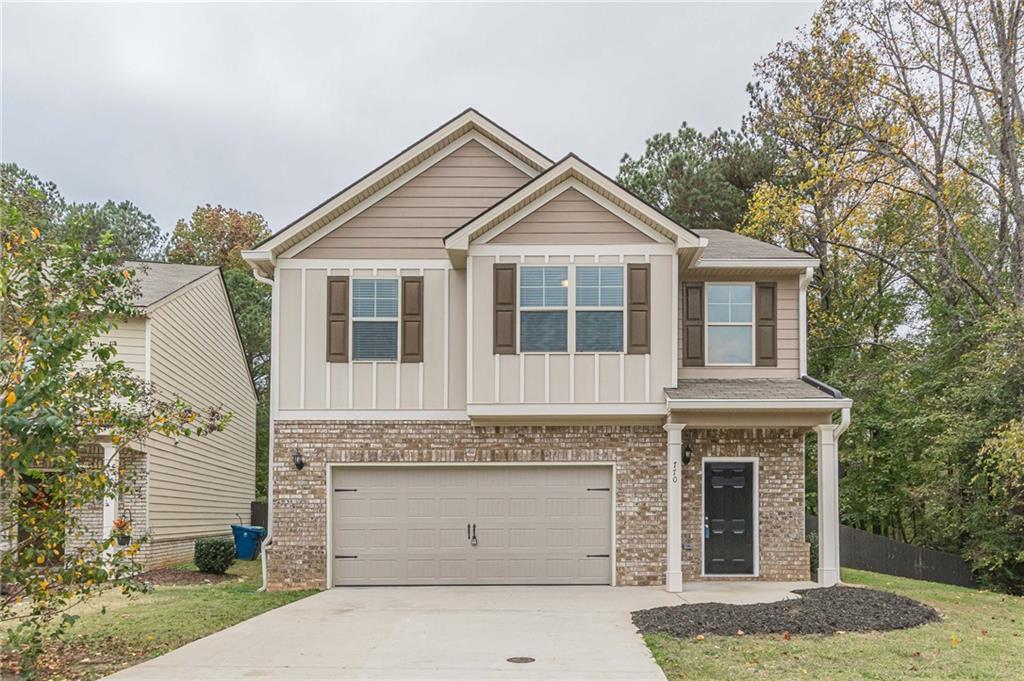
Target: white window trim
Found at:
x=570, y=309
x=353, y=319
x=756, y=460
x=708, y=323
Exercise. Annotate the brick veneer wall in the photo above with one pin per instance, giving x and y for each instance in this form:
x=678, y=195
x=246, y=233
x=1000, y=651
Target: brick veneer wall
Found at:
x=783, y=553
x=297, y=558
x=132, y=465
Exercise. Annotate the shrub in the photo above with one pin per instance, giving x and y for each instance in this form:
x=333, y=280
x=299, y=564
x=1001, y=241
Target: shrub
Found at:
x=812, y=539
x=214, y=555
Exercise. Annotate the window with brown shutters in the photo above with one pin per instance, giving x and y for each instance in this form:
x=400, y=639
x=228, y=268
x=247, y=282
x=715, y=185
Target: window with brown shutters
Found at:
x=337, y=319
x=504, y=309
x=766, y=335
x=638, y=309
x=693, y=324
x=412, y=319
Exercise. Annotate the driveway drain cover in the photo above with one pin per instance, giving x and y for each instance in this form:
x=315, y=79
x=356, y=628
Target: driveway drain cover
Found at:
x=520, y=660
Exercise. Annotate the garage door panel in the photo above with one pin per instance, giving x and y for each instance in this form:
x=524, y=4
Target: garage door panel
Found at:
x=534, y=525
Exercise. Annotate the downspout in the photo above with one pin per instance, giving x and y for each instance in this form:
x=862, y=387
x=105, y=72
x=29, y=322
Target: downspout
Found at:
x=269, y=539
x=805, y=280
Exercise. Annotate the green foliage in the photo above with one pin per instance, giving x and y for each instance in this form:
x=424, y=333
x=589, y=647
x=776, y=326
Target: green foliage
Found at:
x=216, y=235
x=60, y=393
x=214, y=554
x=701, y=181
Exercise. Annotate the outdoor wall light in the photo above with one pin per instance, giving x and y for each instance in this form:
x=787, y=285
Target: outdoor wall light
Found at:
x=687, y=455
x=298, y=460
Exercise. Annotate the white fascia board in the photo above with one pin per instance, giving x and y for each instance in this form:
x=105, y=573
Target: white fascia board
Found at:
x=767, y=263
x=825, y=404
x=371, y=415
x=553, y=410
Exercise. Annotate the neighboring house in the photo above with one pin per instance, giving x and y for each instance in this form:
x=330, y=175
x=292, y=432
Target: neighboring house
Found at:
x=185, y=343
x=493, y=368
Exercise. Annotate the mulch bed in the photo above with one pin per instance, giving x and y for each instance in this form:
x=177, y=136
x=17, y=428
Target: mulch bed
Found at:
x=178, y=577
x=818, y=611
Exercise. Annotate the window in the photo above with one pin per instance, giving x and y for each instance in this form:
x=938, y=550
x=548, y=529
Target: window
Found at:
x=599, y=316
x=544, y=309
x=730, y=324
x=375, y=320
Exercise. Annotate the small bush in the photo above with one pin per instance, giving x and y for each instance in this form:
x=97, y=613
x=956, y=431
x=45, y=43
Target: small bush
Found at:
x=812, y=539
x=214, y=555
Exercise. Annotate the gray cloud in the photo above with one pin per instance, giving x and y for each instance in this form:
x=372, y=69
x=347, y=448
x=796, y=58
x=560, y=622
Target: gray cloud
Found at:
x=272, y=107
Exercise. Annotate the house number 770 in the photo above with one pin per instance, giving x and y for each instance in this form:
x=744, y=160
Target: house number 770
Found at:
x=675, y=471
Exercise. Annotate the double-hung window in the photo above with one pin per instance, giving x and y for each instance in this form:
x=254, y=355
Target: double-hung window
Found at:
x=730, y=324
x=375, y=320
x=543, y=309
x=599, y=309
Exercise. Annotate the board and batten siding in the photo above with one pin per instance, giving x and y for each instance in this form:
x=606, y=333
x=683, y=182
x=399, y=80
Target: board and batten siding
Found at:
x=306, y=380
x=412, y=221
x=201, y=485
x=787, y=329
x=571, y=377
x=129, y=337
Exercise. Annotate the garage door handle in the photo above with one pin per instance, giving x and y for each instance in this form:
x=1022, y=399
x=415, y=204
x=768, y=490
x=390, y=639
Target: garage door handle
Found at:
x=473, y=540
x=599, y=489
x=598, y=555
x=346, y=556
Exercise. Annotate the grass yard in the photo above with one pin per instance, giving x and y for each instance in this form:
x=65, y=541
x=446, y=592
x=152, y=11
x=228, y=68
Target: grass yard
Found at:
x=115, y=631
x=981, y=636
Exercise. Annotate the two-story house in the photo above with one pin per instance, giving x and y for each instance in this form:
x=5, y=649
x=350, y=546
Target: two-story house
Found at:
x=494, y=368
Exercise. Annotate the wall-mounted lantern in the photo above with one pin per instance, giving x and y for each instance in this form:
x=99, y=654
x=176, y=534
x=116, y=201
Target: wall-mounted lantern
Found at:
x=298, y=460
x=687, y=455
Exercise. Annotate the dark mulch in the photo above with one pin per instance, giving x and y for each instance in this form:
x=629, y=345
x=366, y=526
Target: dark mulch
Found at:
x=818, y=611
x=179, y=577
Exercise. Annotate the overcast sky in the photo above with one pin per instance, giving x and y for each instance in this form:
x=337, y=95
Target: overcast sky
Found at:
x=273, y=107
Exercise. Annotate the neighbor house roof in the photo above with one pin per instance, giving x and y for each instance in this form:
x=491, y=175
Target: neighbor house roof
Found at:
x=699, y=389
x=158, y=280
x=727, y=249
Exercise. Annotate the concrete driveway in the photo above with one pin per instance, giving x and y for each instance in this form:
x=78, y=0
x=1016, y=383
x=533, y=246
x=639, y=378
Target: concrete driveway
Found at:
x=580, y=632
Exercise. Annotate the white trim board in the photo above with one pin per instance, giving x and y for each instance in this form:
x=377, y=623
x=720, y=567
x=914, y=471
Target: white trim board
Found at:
x=756, y=460
x=371, y=415
x=824, y=404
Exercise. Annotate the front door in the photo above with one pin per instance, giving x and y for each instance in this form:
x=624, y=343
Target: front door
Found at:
x=728, y=518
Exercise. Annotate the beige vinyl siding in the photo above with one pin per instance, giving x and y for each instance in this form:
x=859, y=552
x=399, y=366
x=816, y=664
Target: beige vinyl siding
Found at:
x=412, y=221
x=788, y=330
x=571, y=218
x=197, y=485
x=129, y=337
x=306, y=380
x=571, y=377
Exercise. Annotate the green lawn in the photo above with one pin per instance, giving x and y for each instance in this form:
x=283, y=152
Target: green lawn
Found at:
x=115, y=631
x=981, y=636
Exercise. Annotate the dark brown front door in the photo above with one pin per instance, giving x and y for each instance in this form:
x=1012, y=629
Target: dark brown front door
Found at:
x=728, y=518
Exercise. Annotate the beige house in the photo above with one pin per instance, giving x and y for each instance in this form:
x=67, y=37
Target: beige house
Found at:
x=185, y=343
x=493, y=368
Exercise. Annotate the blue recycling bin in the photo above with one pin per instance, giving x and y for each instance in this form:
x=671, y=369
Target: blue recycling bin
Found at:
x=247, y=540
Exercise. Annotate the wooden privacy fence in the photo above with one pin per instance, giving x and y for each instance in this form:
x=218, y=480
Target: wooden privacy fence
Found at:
x=866, y=551
x=258, y=513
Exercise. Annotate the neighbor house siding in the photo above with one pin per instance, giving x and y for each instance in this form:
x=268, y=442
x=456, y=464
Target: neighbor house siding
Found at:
x=200, y=485
x=129, y=337
x=787, y=329
x=412, y=221
x=568, y=219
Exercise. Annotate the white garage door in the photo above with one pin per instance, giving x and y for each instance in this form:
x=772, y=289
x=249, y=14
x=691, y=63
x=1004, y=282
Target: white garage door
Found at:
x=417, y=525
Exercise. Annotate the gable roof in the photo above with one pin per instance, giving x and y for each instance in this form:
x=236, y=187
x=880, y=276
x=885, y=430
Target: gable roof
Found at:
x=570, y=168
x=378, y=179
x=158, y=280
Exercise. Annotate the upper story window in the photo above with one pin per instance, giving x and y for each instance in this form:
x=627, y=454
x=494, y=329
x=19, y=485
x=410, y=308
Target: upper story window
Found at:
x=596, y=308
x=544, y=309
x=599, y=313
x=730, y=324
x=375, y=319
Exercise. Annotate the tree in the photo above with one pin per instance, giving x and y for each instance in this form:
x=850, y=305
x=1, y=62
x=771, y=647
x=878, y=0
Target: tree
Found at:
x=60, y=392
x=133, y=235
x=216, y=235
x=702, y=182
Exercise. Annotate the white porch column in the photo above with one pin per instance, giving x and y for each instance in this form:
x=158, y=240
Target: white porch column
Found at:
x=674, y=498
x=828, y=505
x=111, y=460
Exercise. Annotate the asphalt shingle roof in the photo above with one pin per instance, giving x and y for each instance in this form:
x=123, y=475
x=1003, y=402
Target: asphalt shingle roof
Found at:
x=724, y=245
x=157, y=280
x=744, y=389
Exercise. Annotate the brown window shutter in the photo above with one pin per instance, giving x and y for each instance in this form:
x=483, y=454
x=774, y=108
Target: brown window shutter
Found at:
x=693, y=324
x=638, y=327
x=766, y=324
x=412, y=319
x=337, y=319
x=504, y=309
